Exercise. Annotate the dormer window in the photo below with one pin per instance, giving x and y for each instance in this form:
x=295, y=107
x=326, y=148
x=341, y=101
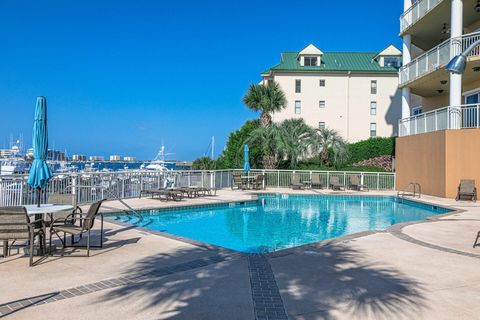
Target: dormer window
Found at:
x=392, y=62
x=310, y=61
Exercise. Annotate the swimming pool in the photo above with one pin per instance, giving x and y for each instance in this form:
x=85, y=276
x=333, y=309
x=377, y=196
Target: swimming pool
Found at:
x=275, y=222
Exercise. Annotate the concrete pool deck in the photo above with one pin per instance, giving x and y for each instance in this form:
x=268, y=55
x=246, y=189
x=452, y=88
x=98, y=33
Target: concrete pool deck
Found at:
x=426, y=270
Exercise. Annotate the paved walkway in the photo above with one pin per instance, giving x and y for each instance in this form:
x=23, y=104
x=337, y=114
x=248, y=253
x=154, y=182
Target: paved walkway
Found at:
x=426, y=270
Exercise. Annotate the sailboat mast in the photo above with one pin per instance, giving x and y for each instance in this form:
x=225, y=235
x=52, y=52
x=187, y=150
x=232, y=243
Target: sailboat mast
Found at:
x=213, y=147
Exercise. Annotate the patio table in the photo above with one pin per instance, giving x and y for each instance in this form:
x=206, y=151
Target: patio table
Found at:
x=250, y=179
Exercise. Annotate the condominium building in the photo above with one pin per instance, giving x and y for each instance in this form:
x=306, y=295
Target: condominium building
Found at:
x=439, y=141
x=115, y=158
x=79, y=157
x=355, y=93
x=97, y=158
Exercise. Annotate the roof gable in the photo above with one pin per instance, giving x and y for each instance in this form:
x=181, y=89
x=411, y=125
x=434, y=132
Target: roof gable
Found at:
x=391, y=50
x=310, y=50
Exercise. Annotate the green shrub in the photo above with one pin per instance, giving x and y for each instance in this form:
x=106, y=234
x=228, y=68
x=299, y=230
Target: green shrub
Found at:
x=371, y=148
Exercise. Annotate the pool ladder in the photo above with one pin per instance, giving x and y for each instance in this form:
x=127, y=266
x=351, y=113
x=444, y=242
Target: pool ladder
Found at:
x=417, y=191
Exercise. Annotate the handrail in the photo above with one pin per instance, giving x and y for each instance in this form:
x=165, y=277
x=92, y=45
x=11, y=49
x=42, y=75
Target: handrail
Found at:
x=138, y=215
x=403, y=193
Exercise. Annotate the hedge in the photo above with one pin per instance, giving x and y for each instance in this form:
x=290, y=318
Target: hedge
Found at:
x=371, y=148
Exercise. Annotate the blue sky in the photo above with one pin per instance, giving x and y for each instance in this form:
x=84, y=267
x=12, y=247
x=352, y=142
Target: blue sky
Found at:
x=121, y=77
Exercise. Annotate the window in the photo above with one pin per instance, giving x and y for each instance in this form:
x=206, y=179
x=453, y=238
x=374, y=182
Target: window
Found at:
x=321, y=125
x=392, y=62
x=298, y=107
x=373, y=108
x=298, y=86
x=416, y=110
x=310, y=61
x=373, y=87
x=322, y=83
x=373, y=129
x=321, y=104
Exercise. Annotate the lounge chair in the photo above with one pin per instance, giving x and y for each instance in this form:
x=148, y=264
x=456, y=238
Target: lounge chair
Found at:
x=15, y=225
x=315, y=183
x=467, y=189
x=85, y=225
x=355, y=184
x=175, y=194
x=295, y=183
x=335, y=183
x=238, y=182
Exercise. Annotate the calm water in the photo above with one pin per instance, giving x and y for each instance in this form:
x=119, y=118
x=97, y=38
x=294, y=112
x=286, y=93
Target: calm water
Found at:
x=278, y=222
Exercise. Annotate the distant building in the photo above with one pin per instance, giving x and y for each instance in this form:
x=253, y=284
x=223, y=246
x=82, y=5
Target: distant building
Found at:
x=355, y=93
x=79, y=157
x=56, y=155
x=115, y=158
x=129, y=159
x=97, y=158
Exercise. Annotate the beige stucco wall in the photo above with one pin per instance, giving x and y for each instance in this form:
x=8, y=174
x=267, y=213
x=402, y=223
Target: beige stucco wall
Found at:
x=439, y=160
x=347, y=98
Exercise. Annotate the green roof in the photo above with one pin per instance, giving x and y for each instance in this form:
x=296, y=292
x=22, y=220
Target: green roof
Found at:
x=333, y=61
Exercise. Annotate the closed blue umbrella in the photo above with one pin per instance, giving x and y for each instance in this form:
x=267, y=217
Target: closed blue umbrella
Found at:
x=246, y=165
x=40, y=173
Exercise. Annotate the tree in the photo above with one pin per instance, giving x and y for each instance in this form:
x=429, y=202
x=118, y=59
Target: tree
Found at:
x=232, y=155
x=327, y=140
x=203, y=163
x=266, y=140
x=294, y=140
x=265, y=99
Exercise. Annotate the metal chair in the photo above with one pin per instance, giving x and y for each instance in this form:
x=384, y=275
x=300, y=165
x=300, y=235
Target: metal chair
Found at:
x=86, y=222
x=15, y=225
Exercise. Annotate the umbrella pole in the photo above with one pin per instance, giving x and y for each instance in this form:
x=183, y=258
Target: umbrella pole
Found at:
x=39, y=192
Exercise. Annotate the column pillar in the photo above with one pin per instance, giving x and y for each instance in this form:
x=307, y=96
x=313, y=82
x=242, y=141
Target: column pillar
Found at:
x=456, y=30
x=407, y=57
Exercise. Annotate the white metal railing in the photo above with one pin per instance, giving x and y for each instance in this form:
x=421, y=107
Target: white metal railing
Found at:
x=437, y=57
x=465, y=116
x=417, y=11
x=89, y=187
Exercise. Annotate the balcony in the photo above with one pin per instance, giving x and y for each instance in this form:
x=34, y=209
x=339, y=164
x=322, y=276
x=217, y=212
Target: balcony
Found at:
x=461, y=117
x=416, y=12
x=436, y=58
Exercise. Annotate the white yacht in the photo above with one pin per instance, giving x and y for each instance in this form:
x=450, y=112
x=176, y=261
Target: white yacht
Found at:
x=11, y=166
x=157, y=164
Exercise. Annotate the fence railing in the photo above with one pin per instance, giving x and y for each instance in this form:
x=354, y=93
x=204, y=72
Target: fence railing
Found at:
x=89, y=187
x=417, y=11
x=465, y=116
x=438, y=57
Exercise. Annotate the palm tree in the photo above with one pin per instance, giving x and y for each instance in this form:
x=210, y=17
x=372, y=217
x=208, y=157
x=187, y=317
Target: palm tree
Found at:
x=294, y=140
x=203, y=163
x=329, y=139
x=266, y=140
x=266, y=99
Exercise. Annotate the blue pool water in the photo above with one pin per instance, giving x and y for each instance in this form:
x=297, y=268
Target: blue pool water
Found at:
x=277, y=222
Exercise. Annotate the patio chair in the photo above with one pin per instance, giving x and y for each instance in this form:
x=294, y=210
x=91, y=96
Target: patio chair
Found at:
x=316, y=183
x=295, y=183
x=58, y=198
x=335, y=183
x=237, y=181
x=15, y=225
x=258, y=182
x=355, y=184
x=69, y=226
x=467, y=189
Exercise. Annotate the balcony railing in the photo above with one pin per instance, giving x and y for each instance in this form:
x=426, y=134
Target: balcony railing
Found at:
x=437, y=57
x=417, y=11
x=466, y=116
